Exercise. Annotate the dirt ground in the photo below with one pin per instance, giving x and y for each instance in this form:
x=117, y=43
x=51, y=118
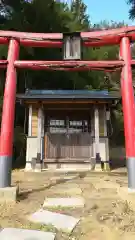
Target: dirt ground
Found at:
x=106, y=215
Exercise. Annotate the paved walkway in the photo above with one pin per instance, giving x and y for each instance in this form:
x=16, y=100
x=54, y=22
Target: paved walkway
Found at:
x=63, y=222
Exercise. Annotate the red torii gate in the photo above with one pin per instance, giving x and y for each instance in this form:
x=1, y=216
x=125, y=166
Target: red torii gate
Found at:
x=123, y=37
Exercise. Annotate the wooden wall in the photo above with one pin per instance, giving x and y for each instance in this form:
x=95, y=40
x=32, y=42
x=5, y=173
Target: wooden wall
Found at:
x=34, y=121
x=101, y=121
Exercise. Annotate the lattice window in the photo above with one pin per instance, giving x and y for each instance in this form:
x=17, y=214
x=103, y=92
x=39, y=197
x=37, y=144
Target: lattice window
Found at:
x=76, y=126
x=57, y=126
x=67, y=125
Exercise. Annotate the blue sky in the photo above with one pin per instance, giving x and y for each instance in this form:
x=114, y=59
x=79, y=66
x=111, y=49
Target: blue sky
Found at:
x=116, y=10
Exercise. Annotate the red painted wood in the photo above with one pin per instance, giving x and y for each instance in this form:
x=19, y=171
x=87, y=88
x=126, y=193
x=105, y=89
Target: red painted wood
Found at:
x=95, y=38
x=3, y=63
x=8, y=113
x=69, y=65
x=128, y=100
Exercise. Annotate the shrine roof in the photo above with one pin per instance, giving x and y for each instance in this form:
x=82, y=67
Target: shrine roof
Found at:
x=68, y=94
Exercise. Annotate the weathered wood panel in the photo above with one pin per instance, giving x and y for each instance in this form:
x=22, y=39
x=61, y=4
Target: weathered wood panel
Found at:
x=101, y=121
x=56, y=146
x=71, y=146
x=79, y=146
x=34, y=122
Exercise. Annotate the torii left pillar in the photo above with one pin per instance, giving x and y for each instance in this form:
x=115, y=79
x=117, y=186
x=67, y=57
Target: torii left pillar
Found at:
x=8, y=115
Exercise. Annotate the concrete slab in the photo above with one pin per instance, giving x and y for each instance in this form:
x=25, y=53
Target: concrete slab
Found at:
x=24, y=234
x=59, y=221
x=64, y=202
x=9, y=194
x=70, y=177
x=67, y=189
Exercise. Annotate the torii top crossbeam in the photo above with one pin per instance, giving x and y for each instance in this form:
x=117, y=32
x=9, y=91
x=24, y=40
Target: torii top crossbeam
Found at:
x=96, y=38
x=89, y=39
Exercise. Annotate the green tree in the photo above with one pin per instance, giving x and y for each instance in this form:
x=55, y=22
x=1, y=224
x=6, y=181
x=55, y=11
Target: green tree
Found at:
x=80, y=19
x=53, y=16
x=132, y=9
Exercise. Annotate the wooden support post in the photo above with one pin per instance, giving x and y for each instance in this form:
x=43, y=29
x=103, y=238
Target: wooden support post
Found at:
x=46, y=128
x=105, y=123
x=39, y=139
x=42, y=134
x=30, y=121
x=29, y=161
x=106, y=118
x=97, y=143
x=67, y=139
x=42, y=137
x=45, y=146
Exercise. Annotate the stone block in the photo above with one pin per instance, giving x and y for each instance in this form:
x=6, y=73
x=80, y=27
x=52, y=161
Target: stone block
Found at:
x=24, y=234
x=9, y=194
x=106, y=166
x=98, y=167
x=66, y=189
x=64, y=202
x=59, y=221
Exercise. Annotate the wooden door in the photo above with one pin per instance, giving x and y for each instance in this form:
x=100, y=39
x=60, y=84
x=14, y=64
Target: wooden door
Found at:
x=68, y=138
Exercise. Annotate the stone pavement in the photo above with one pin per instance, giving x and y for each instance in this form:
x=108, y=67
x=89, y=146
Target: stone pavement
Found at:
x=62, y=222
x=59, y=221
x=64, y=202
x=23, y=234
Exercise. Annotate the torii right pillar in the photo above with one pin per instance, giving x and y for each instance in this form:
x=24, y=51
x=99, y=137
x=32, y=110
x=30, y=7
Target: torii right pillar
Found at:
x=128, y=103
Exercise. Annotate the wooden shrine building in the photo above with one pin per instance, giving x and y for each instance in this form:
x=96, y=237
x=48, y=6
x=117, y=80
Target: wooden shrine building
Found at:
x=67, y=128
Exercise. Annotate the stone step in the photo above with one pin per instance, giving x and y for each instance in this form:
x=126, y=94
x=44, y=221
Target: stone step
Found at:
x=59, y=221
x=67, y=189
x=25, y=234
x=64, y=202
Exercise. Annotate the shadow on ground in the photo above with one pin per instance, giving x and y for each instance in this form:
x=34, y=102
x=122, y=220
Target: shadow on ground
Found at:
x=25, y=194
